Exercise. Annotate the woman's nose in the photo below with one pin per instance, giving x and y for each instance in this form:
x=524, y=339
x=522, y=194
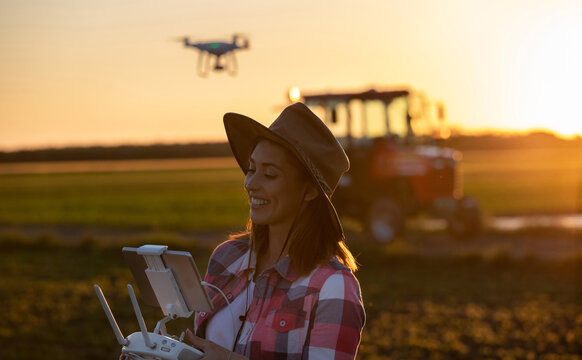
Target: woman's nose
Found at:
x=250, y=182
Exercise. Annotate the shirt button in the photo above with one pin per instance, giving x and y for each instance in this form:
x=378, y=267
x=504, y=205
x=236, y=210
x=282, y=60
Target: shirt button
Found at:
x=282, y=323
x=229, y=296
x=202, y=313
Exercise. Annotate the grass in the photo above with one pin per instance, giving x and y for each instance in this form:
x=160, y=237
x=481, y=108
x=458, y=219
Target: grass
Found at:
x=474, y=306
x=47, y=297
x=504, y=182
x=418, y=307
x=532, y=181
x=188, y=199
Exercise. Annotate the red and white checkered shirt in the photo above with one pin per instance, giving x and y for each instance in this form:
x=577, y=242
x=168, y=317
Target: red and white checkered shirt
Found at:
x=319, y=316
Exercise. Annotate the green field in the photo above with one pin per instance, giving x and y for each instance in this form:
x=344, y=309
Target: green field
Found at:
x=521, y=182
x=505, y=182
x=475, y=305
x=157, y=200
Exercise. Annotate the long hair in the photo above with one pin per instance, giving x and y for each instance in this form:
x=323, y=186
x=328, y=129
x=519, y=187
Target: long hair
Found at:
x=313, y=238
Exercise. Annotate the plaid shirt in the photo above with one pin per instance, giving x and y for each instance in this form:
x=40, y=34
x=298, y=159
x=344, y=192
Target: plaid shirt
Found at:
x=319, y=316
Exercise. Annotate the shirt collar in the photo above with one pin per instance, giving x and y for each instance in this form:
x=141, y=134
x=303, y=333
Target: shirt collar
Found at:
x=285, y=270
x=283, y=266
x=247, y=265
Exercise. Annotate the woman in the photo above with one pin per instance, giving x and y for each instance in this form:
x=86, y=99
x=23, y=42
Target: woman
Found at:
x=289, y=277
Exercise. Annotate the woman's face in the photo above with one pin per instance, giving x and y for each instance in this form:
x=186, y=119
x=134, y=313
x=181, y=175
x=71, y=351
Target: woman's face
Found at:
x=275, y=185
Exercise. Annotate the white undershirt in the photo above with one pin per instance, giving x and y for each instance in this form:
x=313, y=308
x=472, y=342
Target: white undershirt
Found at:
x=220, y=328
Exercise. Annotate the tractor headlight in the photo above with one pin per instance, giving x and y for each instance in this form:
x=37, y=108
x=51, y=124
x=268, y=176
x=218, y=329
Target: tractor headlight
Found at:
x=294, y=94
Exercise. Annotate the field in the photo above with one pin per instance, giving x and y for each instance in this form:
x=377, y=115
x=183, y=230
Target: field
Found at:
x=501, y=296
x=534, y=181
x=190, y=196
x=440, y=307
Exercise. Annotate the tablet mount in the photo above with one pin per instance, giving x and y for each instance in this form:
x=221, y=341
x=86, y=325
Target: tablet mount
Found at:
x=170, y=280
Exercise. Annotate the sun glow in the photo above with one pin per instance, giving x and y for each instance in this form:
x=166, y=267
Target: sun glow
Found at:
x=110, y=77
x=549, y=77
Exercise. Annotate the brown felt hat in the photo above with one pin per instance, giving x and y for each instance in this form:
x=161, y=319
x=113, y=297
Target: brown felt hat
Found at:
x=299, y=130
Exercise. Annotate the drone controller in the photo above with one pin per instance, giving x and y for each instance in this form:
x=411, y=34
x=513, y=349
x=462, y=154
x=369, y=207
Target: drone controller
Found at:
x=170, y=280
x=167, y=348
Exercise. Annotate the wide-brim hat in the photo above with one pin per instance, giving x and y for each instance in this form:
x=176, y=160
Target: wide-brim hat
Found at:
x=300, y=131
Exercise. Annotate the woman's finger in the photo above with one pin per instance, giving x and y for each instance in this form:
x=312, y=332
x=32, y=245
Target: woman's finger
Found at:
x=197, y=342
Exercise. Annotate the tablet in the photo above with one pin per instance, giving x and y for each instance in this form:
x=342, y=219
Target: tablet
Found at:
x=185, y=273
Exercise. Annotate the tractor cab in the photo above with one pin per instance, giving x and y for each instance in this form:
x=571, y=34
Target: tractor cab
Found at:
x=398, y=166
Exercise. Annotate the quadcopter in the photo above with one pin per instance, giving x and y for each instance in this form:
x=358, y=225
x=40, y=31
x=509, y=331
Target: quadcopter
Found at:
x=223, y=52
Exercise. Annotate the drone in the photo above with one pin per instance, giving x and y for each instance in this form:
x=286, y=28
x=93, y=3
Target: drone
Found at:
x=223, y=52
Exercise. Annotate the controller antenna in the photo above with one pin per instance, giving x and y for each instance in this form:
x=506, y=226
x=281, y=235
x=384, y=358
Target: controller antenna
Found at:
x=120, y=339
x=140, y=321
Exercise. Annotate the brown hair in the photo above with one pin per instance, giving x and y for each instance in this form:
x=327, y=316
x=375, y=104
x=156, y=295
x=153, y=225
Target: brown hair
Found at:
x=313, y=239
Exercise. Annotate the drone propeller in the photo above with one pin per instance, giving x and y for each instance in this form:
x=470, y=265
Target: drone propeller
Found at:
x=241, y=40
x=241, y=36
x=181, y=39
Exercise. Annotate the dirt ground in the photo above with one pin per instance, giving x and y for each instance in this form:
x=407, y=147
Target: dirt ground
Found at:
x=543, y=245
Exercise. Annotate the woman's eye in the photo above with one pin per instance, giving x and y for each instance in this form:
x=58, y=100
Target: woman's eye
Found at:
x=251, y=170
x=270, y=176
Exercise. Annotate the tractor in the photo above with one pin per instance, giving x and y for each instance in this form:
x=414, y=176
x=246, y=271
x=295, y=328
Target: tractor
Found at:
x=399, y=167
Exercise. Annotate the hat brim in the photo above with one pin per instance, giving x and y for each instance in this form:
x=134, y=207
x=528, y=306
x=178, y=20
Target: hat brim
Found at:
x=243, y=134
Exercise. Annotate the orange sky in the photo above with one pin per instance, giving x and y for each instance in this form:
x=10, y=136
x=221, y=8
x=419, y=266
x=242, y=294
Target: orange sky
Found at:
x=103, y=72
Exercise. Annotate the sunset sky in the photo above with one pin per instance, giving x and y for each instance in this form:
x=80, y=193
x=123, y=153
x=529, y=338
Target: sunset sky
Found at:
x=78, y=72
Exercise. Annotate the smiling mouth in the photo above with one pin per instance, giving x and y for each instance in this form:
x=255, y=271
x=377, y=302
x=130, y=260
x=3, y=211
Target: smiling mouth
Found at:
x=258, y=202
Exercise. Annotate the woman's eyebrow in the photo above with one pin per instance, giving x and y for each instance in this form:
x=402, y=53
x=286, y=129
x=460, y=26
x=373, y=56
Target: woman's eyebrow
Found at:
x=266, y=164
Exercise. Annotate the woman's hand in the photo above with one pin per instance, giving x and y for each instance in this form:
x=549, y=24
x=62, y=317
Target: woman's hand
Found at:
x=212, y=351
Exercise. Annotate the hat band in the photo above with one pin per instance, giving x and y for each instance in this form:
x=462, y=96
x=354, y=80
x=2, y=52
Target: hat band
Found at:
x=315, y=172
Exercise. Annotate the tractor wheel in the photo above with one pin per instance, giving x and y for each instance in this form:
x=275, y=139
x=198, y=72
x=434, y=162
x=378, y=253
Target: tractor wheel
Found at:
x=465, y=222
x=385, y=220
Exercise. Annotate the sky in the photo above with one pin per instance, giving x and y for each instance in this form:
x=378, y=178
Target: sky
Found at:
x=80, y=72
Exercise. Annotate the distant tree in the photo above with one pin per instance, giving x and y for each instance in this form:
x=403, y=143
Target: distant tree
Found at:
x=122, y=152
x=537, y=139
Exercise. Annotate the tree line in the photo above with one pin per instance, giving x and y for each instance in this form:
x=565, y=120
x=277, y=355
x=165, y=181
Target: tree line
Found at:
x=221, y=149
x=121, y=152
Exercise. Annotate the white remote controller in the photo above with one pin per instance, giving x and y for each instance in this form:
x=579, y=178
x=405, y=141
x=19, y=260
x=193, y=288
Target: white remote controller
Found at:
x=169, y=279
x=144, y=344
x=163, y=348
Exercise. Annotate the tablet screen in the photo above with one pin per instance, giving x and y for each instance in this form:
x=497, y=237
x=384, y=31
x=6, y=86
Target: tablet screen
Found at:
x=184, y=270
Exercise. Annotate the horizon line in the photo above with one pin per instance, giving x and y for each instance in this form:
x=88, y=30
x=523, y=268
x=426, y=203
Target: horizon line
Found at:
x=455, y=131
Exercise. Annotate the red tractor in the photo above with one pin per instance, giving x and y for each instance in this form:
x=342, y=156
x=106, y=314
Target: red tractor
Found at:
x=399, y=167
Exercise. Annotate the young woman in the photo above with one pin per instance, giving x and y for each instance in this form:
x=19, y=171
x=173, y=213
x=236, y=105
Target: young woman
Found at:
x=289, y=278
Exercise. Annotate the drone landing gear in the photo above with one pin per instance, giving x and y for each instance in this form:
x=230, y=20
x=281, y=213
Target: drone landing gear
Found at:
x=232, y=65
x=203, y=66
x=227, y=62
